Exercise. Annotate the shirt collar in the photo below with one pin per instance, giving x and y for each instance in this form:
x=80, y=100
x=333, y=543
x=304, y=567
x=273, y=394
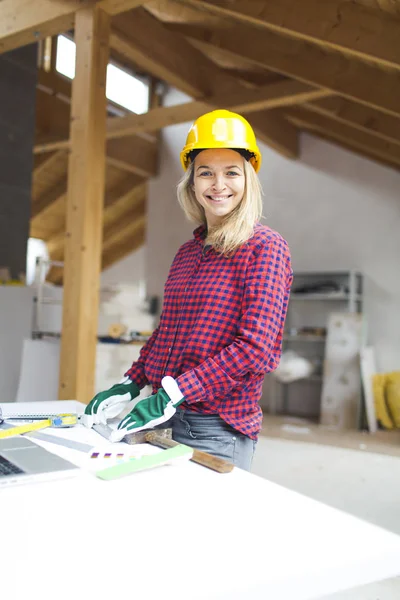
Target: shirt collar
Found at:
x=200, y=233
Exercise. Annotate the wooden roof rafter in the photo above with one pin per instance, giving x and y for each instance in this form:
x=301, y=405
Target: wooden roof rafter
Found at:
x=23, y=22
x=361, y=117
x=353, y=29
x=136, y=238
x=176, y=61
x=351, y=78
x=284, y=93
x=123, y=231
x=366, y=143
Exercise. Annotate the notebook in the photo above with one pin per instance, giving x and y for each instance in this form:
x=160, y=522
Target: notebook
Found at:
x=24, y=461
x=38, y=410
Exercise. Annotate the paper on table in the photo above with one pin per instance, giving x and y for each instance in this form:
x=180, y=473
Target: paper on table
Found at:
x=38, y=410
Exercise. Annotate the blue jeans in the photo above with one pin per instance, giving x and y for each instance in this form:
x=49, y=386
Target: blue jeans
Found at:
x=211, y=434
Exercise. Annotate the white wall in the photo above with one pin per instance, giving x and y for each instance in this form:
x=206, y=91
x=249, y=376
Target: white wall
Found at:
x=336, y=209
x=167, y=227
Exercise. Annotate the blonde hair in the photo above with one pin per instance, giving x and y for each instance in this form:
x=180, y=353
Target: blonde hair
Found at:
x=238, y=226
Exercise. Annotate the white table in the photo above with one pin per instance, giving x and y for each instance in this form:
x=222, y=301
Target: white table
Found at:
x=181, y=533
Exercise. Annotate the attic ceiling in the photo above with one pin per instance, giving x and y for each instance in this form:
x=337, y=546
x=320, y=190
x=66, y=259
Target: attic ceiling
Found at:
x=331, y=68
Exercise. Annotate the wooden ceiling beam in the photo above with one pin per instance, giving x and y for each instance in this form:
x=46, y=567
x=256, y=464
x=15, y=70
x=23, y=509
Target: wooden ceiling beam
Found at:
x=120, y=190
x=350, y=27
x=53, y=83
x=57, y=192
x=169, y=11
x=39, y=160
x=133, y=154
x=52, y=116
x=49, y=82
x=122, y=197
x=175, y=60
x=125, y=203
x=358, y=140
x=351, y=78
x=24, y=22
x=171, y=58
x=134, y=237
x=119, y=200
x=136, y=154
x=274, y=130
x=122, y=222
x=141, y=38
x=114, y=7
x=117, y=231
x=117, y=252
x=284, y=93
x=358, y=116
x=274, y=95
x=46, y=165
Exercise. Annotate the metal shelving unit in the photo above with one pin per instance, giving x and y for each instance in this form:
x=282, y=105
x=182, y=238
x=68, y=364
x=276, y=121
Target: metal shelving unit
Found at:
x=308, y=311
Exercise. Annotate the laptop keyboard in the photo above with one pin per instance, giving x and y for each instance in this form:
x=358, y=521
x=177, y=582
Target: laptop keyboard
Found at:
x=8, y=468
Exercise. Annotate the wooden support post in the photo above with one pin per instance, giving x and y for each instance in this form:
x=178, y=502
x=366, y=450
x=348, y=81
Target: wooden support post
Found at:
x=85, y=196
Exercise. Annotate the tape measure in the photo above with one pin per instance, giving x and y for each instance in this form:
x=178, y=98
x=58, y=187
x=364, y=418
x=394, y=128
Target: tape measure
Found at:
x=65, y=420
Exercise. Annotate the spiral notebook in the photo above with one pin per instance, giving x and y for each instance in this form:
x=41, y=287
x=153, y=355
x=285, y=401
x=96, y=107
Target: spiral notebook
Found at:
x=38, y=410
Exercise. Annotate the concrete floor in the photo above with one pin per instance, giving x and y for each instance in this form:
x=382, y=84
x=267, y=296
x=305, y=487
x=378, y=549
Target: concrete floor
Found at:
x=356, y=473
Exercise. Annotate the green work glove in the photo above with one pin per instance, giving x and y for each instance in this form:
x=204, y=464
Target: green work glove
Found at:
x=108, y=404
x=151, y=411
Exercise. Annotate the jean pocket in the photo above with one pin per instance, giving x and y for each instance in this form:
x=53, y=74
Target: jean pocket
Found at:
x=204, y=432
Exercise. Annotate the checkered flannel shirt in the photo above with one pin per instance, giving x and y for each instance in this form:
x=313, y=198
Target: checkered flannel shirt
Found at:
x=221, y=327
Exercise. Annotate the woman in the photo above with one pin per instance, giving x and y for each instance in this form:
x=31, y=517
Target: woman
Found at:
x=225, y=303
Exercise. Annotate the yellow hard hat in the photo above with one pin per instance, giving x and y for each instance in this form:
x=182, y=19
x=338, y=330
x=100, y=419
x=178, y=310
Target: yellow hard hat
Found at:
x=221, y=129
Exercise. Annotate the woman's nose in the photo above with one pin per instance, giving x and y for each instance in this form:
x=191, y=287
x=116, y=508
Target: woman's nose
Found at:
x=218, y=183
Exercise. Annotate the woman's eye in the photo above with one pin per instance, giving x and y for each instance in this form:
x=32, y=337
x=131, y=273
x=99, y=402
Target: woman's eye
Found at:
x=205, y=173
x=232, y=173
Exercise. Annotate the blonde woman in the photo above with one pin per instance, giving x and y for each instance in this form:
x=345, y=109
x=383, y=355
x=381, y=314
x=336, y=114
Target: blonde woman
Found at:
x=225, y=303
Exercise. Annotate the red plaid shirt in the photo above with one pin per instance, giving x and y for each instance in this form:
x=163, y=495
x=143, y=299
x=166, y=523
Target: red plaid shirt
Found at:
x=221, y=327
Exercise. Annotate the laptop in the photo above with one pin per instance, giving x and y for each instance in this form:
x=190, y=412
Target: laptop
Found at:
x=23, y=461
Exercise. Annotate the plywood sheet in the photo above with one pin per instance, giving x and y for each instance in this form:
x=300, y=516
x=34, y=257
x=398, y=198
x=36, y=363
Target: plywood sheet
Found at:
x=341, y=390
x=368, y=369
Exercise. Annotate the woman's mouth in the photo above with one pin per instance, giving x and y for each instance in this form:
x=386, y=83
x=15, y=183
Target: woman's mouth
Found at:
x=218, y=198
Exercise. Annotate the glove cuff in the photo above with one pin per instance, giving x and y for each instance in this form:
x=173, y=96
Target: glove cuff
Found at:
x=134, y=388
x=172, y=389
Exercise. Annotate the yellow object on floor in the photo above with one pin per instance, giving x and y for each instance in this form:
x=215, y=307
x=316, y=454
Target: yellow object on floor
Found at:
x=393, y=396
x=386, y=388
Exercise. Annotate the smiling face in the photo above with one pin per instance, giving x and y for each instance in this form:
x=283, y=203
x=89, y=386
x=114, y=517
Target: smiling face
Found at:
x=218, y=182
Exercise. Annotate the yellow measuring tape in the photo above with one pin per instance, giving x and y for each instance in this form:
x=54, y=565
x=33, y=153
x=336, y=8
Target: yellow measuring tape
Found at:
x=65, y=420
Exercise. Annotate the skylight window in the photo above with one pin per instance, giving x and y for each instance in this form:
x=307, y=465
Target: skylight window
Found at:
x=121, y=87
x=65, y=59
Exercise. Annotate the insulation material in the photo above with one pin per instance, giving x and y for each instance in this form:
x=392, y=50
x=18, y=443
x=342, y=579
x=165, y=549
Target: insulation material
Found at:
x=341, y=390
x=292, y=367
